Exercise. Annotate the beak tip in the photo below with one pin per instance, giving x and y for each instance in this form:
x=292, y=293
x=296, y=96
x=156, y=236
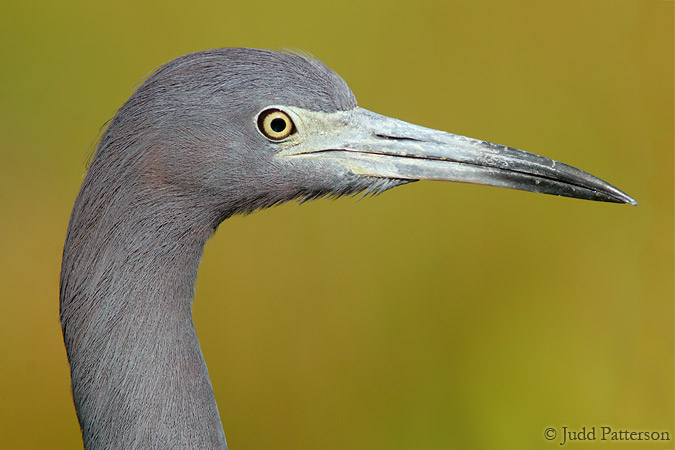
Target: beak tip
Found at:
x=625, y=198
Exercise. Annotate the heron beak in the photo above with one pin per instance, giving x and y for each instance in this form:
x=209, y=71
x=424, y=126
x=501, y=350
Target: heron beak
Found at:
x=373, y=145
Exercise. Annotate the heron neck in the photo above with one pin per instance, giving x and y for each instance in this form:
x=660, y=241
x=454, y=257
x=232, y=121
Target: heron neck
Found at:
x=138, y=375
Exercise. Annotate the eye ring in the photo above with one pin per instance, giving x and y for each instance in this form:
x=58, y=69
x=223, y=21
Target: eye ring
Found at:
x=275, y=124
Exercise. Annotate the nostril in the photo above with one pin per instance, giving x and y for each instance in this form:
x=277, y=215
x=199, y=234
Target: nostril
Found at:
x=397, y=138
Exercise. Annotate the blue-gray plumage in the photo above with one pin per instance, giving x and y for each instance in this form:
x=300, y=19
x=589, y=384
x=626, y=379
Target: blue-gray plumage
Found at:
x=209, y=135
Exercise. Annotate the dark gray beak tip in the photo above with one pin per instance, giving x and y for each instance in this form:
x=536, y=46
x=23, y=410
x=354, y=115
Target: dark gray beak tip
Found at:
x=615, y=195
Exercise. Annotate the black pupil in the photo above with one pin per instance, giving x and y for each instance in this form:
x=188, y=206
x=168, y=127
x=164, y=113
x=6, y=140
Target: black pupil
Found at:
x=278, y=125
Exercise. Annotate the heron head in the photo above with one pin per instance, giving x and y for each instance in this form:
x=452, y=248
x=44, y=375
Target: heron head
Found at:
x=242, y=129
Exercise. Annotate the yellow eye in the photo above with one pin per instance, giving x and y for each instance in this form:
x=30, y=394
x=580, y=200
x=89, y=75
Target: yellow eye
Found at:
x=275, y=124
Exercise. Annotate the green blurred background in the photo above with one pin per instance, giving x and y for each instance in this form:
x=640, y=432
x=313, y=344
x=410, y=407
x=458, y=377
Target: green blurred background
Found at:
x=436, y=316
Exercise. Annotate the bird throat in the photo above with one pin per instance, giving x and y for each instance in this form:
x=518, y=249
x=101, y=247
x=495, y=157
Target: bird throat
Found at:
x=138, y=375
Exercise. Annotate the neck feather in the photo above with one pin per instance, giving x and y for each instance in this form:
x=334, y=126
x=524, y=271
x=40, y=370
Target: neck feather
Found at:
x=127, y=283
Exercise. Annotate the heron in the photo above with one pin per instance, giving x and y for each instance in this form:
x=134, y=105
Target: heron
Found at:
x=206, y=136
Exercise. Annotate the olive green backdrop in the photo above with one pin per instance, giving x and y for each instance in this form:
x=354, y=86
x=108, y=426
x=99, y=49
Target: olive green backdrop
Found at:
x=435, y=316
